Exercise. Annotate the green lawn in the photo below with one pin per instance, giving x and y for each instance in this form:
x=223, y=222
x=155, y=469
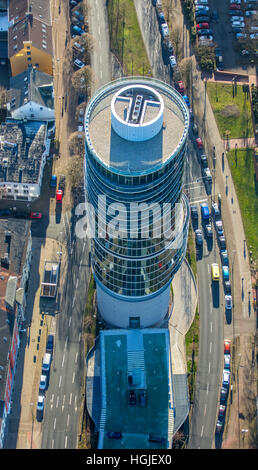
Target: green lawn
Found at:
x=247, y=192
x=126, y=39
x=231, y=113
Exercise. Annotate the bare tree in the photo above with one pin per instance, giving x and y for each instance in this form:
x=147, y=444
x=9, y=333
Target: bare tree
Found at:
x=82, y=78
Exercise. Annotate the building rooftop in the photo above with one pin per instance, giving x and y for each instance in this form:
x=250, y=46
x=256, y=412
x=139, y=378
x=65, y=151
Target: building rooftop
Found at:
x=29, y=21
x=135, y=360
x=31, y=85
x=14, y=234
x=136, y=156
x=22, y=144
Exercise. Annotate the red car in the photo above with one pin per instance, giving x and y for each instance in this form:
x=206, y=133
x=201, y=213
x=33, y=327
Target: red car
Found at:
x=202, y=26
x=235, y=6
x=227, y=344
x=35, y=215
x=180, y=86
x=199, y=143
x=59, y=195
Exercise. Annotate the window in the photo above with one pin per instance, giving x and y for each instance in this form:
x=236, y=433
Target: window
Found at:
x=29, y=59
x=36, y=65
x=28, y=53
x=15, y=47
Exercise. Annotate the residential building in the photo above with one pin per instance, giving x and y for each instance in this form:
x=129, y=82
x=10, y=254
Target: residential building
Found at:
x=30, y=36
x=24, y=147
x=31, y=96
x=15, y=262
x=136, y=159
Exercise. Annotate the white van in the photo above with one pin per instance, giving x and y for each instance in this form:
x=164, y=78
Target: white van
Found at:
x=46, y=362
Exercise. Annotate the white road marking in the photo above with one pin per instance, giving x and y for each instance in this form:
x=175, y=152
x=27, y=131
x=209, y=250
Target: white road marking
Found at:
x=80, y=264
x=205, y=409
x=68, y=418
x=211, y=327
x=70, y=319
x=65, y=441
x=70, y=401
x=77, y=282
x=63, y=359
x=73, y=301
x=202, y=431
x=57, y=401
x=66, y=340
x=79, y=337
x=53, y=443
x=75, y=403
x=60, y=380
x=76, y=357
x=73, y=377
x=209, y=367
x=55, y=424
x=210, y=346
x=207, y=391
x=63, y=403
x=198, y=201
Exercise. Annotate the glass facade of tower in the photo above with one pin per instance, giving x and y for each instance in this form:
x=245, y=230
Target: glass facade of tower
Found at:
x=140, y=256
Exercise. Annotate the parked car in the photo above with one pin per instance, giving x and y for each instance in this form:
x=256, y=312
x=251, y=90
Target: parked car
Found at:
x=78, y=63
x=238, y=24
x=180, y=87
x=172, y=61
x=225, y=378
x=227, y=287
x=224, y=257
x=50, y=344
x=59, y=196
x=228, y=302
x=199, y=143
x=40, y=407
x=53, y=181
x=114, y=435
x=205, y=212
x=161, y=17
x=225, y=273
x=194, y=212
x=46, y=363
x=215, y=210
x=78, y=15
x=43, y=383
x=227, y=344
x=235, y=6
x=168, y=46
x=198, y=237
x=142, y=397
x=226, y=361
x=202, y=19
x=35, y=215
x=132, y=398
x=204, y=161
x=206, y=39
x=164, y=30
x=202, y=8
x=205, y=32
x=77, y=31
x=208, y=230
x=222, y=243
x=202, y=26
x=201, y=2
x=237, y=18
x=78, y=47
x=187, y=101
x=219, y=228
x=215, y=272
x=5, y=213
x=62, y=183
x=207, y=175
x=238, y=2
x=222, y=411
x=219, y=427
x=223, y=395
x=201, y=12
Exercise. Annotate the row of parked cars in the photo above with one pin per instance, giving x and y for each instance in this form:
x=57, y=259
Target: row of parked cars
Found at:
x=169, y=49
x=44, y=378
x=241, y=16
x=224, y=387
x=202, y=20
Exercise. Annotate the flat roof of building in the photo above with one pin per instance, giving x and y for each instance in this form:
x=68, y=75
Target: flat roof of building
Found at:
x=120, y=154
x=143, y=354
x=22, y=144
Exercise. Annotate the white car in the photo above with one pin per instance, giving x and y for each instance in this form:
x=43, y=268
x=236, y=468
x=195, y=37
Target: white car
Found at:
x=201, y=2
x=40, y=404
x=237, y=18
x=164, y=30
x=202, y=7
x=236, y=1
x=228, y=302
x=238, y=24
x=254, y=36
x=79, y=63
x=241, y=35
x=207, y=174
x=78, y=47
x=172, y=61
x=226, y=378
x=250, y=12
x=206, y=38
x=43, y=382
x=226, y=361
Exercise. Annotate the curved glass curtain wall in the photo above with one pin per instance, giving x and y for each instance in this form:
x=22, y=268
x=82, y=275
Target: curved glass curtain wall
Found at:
x=135, y=267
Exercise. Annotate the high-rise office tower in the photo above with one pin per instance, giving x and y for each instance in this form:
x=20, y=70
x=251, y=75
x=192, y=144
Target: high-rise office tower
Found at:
x=135, y=143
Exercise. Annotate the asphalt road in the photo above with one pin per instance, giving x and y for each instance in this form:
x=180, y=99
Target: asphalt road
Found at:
x=64, y=394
